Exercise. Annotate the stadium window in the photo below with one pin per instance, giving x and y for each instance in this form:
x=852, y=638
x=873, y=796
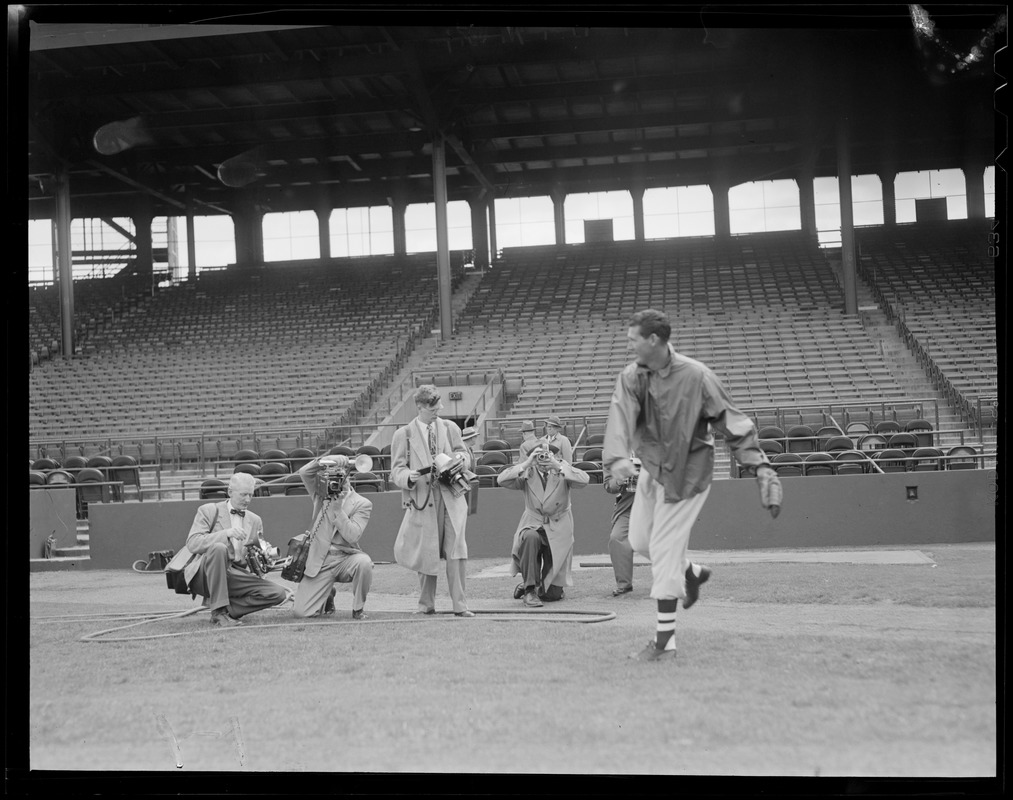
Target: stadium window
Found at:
x=524, y=221
x=673, y=211
x=100, y=248
x=214, y=237
x=764, y=206
x=593, y=206
x=291, y=235
x=361, y=231
x=936, y=183
x=866, y=206
x=41, y=255
x=420, y=226
x=167, y=255
x=989, y=186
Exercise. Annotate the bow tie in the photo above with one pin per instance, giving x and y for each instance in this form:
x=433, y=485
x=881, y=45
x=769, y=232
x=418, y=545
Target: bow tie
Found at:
x=240, y=513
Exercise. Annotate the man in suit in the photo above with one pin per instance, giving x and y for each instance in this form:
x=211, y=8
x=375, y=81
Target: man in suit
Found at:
x=218, y=536
x=554, y=437
x=436, y=514
x=529, y=442
x=340, y=516
x=542, y=551
x=620, y=549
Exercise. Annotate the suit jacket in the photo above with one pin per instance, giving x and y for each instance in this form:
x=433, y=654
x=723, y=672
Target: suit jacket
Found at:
x=547, y=507
x=417, y=546
x=202, y=534
x=341, y=527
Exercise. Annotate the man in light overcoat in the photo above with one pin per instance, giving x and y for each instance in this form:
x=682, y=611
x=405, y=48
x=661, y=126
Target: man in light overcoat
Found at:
x=435, y=518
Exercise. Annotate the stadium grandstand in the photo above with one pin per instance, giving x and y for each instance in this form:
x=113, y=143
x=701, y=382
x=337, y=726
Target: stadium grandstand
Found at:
x=869, y=351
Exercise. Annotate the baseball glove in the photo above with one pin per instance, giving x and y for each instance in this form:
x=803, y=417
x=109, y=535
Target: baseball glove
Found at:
x=771, y=492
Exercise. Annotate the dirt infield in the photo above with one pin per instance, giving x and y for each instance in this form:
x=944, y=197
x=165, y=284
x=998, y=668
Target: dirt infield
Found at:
x=787, y=667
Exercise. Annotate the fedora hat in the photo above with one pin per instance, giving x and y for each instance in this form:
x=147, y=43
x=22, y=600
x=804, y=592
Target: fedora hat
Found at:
x=469, y=433
x=527, y=425
x=553, y=420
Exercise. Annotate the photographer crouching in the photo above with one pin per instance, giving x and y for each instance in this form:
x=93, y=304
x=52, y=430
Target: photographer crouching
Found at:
x=542, y=551
x=340, y=516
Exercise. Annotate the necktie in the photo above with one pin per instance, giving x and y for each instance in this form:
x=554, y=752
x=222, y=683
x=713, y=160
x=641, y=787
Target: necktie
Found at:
x=432, y=440
x=240, y=513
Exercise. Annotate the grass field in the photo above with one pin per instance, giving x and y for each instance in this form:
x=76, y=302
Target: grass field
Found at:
x=784, y=669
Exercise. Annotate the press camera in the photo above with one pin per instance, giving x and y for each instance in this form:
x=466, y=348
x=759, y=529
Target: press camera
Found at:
x=260, y=559
x=337, y=475
x=451, y=472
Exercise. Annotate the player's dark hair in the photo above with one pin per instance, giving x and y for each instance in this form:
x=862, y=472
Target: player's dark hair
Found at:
x=650, y=321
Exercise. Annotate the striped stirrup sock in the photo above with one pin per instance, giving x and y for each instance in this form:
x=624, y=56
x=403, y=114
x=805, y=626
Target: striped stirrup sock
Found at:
x=666, y=625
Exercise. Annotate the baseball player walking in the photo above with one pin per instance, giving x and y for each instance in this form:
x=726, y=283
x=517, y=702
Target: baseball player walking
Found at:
x=663, y=408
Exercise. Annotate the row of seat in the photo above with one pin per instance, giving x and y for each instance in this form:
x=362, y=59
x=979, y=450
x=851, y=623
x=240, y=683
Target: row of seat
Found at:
x=858, y=462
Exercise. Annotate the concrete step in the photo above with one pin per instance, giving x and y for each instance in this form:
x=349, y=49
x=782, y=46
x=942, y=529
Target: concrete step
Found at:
x=57, y=564
x=74, y=551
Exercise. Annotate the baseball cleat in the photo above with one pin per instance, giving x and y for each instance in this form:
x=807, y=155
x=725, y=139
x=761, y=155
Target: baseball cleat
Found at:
x=652, y=653
x=693, y=584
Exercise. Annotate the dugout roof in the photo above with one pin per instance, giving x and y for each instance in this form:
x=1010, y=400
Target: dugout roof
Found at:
x=318, y=107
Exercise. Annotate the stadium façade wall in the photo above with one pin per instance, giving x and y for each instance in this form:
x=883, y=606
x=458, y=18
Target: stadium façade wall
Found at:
x=844, y=511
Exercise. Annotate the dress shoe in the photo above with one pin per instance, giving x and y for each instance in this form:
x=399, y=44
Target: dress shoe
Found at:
x=693, y=584
x=464, y=613
x=518, y=591
x=618, y=591
x=652, y=653
x=531, y=600
x=329, y=606
x=224, y=619
x=360, y=614
x=426, y=611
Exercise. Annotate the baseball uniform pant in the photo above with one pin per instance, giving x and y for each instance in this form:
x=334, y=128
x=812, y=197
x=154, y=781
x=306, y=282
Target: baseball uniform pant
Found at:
x=660, y=532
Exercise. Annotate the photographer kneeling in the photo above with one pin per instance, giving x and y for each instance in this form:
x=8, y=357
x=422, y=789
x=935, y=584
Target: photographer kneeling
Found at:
x=340, y=516
x=542, y=550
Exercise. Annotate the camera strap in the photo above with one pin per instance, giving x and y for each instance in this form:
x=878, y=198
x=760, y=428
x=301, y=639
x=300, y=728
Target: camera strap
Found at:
x=320, y=518
x=423, y=471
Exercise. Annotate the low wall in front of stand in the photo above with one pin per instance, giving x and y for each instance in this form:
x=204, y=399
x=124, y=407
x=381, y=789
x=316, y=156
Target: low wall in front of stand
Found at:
x=842, y=511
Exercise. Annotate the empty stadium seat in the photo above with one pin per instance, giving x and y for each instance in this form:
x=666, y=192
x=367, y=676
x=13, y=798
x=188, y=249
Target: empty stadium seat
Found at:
x=299, y=458
x=788, y=464
x=90, y=494
x=851, y=462
x=59, y=477
x=213, y=488
x=819, y=464
x=928, y=459
x=494, y=458
x=800, y=439
x=891, y=460
x=125, y=469
x=954, y=460
x=593, y=469
x=367, y=482
x=838, y=443
x=486, y=475
x=75, y=464
x=922, y=430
